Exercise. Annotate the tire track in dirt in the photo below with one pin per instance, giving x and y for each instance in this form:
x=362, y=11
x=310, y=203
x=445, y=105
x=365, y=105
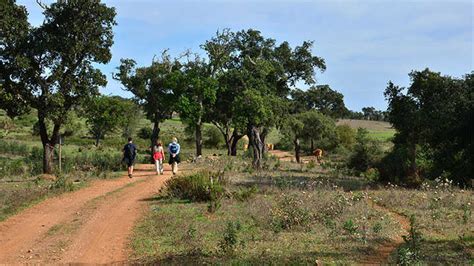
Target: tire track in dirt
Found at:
x=25, y=237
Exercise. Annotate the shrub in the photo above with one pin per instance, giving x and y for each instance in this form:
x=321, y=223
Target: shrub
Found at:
x=346, y=136
x=411, y=252
x=350, y=227
x=372, y=175
x=145, y=133
x=367, y=152
x=230, y=237
x=198, y=187
x=213, y=137
x=289, y=214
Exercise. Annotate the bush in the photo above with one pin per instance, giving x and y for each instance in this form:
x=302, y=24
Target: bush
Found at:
x=200, y=187
x=213, y=137
x=367, y=152
x=145, y=133
x=230, y=237
x=346, y=136
x=289, y=214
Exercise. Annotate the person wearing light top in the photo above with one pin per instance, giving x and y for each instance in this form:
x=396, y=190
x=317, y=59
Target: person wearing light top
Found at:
x=174, y=149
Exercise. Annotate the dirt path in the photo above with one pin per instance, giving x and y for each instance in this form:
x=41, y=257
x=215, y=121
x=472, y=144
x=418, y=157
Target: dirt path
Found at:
x=91, y=225
x=383, y=252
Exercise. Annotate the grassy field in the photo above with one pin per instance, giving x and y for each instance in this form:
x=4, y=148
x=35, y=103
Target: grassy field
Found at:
x=289, y=213
x=378, y=130
x=284, y=214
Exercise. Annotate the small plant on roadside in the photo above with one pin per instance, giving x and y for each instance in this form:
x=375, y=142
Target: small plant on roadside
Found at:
x=377, y=228
x=311, y=165
x=410, y=254
x=466, y=212
x=230, y=237
x=350, y=227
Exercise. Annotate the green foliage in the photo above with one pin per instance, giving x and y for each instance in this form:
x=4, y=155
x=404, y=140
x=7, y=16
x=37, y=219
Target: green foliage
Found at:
x=434, y=112
x=202, y=186
x=372, y=175
x=213, y=137
x=145, y=133
x=230, y=237
x=321, y=98
x=65, y=76
x=367, y=152
x=152, y=86
x=346, y=136
x=350, y=227
x=105, y=114
x=411, y=252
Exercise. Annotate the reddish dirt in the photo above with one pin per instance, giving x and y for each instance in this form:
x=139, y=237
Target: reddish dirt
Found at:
x=93, y=223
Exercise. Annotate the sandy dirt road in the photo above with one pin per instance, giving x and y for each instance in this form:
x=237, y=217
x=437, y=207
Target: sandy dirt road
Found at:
x=91, y=225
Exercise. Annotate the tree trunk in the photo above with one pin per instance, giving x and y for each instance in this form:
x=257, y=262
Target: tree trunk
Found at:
x=263, y=136
x=257, y=146
x=296, y=141
x=154, y=136
x=48, y=143
x=198, y=136
x=235, y=140
x=97, y=140
x=312, y=145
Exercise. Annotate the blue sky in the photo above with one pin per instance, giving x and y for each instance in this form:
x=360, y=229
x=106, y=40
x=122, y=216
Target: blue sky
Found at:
x=365, y=43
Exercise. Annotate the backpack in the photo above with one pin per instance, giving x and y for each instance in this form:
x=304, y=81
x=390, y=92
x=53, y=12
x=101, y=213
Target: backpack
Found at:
x=129, y=151
x=173, y=148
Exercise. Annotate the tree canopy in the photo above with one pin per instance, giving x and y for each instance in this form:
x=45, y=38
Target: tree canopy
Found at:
x=50, y=67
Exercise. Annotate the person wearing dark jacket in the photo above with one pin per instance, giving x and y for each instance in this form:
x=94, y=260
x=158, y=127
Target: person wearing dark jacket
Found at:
x=129, y=156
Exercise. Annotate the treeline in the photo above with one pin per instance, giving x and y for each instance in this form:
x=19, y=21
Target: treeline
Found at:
x=241, y=81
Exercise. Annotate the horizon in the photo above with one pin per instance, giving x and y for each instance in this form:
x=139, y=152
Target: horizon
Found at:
x=364, y=46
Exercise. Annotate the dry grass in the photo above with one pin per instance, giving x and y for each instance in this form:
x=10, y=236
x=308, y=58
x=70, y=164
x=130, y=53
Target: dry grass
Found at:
x=444, y=217
x=296, y=215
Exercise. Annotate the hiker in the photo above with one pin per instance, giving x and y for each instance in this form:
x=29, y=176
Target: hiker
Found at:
x=159, y=157
x=129, y=156
x=318, y=153
x=174, y=149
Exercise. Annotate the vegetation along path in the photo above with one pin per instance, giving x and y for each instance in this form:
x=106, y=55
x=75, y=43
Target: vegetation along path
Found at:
x=91, y=225
x=381, y=253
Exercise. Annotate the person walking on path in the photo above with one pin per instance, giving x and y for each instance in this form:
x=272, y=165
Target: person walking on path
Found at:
x=129, y=156
x=158, y=156
x=174, y=149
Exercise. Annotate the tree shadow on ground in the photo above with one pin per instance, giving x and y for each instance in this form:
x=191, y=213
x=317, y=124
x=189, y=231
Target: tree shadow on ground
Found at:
x=304, y=182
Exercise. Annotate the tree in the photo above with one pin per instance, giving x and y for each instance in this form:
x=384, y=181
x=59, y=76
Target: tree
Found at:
x=50, y=67
x=264, y=74
x=293, y=128
x=105, y=114
x=153, y=87
x=322, y=98
x=434, y=113
x=197, y=92
x=221, y=50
